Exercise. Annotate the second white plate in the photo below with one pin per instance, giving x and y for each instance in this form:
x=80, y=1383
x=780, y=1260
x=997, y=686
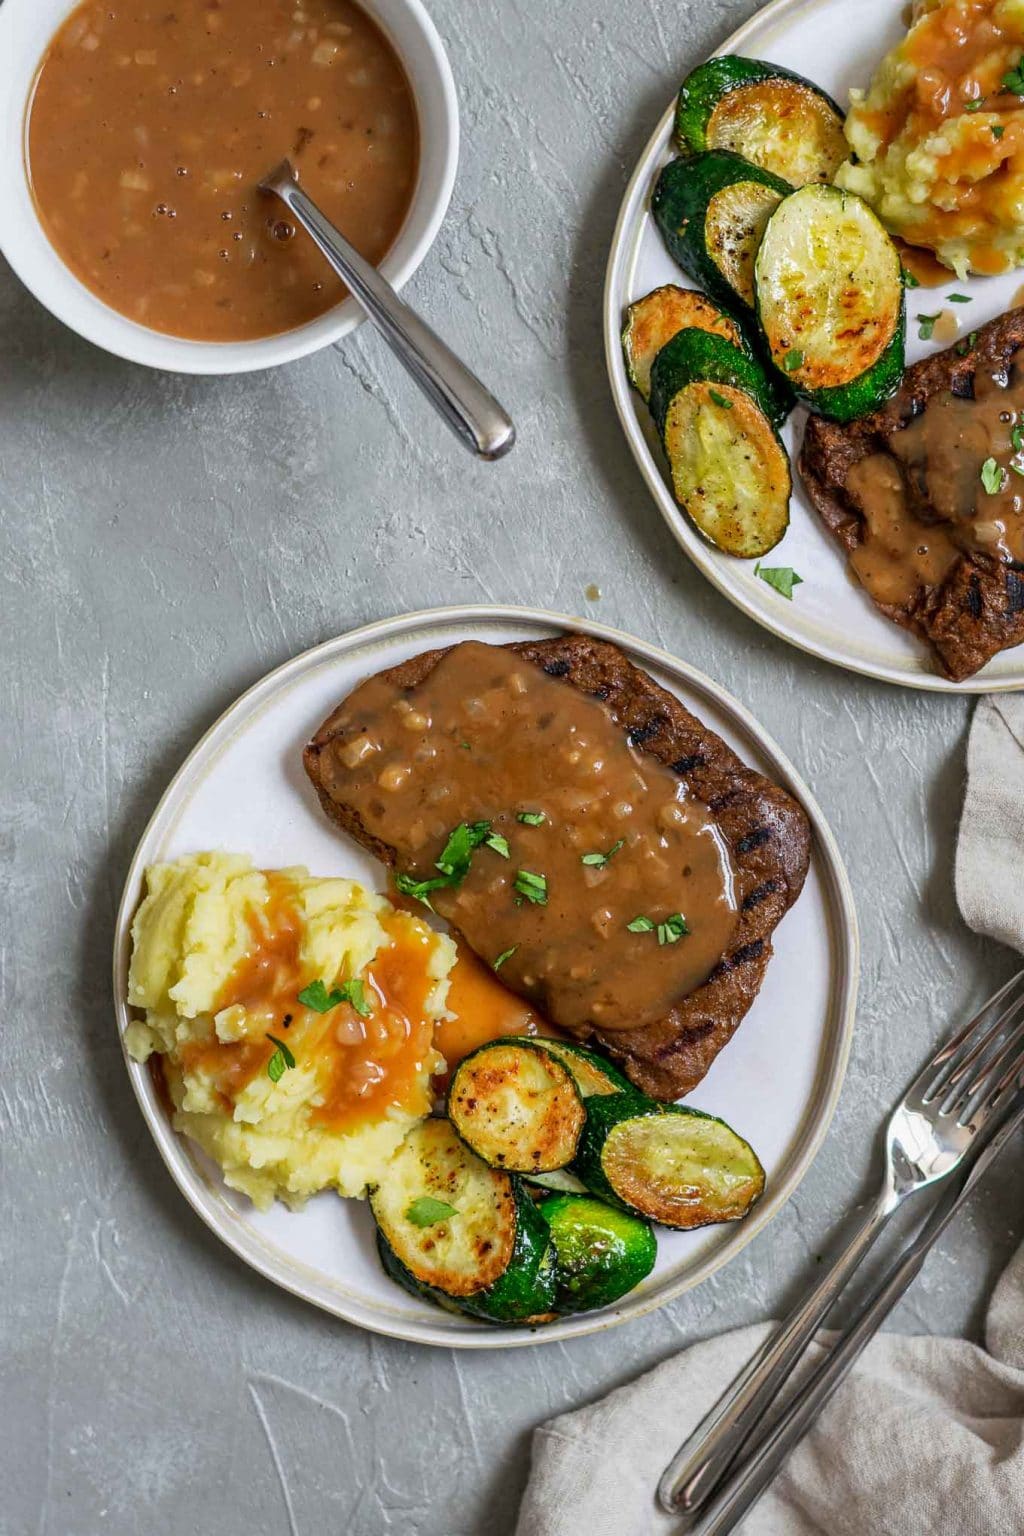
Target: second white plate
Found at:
x=836, y=46
x=243, y=789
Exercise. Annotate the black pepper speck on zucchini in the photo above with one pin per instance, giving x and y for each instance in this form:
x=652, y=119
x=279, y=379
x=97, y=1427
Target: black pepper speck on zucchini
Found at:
x=771, y=116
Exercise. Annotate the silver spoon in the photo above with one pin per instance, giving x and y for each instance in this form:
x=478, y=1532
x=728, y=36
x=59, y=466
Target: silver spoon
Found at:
x=457, y=395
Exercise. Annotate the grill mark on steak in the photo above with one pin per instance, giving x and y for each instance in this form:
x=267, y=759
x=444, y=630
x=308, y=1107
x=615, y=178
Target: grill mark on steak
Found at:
x=758, y=895
x=668, y=1057
x=755, y=839
x=685, y=765
x=968, y=619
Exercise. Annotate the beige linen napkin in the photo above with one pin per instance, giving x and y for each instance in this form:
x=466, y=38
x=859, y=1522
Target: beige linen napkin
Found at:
x=926, y=1435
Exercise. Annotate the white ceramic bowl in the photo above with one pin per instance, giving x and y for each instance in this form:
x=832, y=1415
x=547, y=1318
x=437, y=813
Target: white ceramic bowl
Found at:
x=26, y=27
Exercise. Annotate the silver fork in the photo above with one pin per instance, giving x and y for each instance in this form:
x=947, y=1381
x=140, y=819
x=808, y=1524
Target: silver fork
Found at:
x=929, y=1133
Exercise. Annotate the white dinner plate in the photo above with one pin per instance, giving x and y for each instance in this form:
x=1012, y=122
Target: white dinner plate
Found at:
x=836, y=45
x=243, y=789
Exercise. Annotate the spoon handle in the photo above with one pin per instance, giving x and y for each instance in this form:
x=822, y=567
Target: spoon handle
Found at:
x=470, y=410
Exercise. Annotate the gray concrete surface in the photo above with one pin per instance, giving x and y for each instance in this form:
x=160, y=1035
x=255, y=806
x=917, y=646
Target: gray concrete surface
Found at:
x=166, y=541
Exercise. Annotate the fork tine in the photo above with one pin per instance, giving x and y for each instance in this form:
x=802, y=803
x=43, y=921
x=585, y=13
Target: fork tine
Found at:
x=951, y=1056
x=985, y=1095
x=980, y=1058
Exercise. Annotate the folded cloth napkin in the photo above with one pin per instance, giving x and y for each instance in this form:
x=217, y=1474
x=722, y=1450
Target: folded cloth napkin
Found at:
x=926, y=1435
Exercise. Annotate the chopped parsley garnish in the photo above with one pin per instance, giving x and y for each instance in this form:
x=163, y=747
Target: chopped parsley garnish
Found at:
x=533, y=887
x=599, y=860
x=532, y=818
x=792, y=360
x=1013, y=80
x=998, y=130
x=317, y=997
x=720, y=400
x=427, y=1212
x=672, y=929
x=993, y=477
x=975, y=105
x=1017, y=469
x=926, y=325
x=281, y=1060
x=782, y=577
x=354, y=992
x=909, y=280
x=420, y=890
x=460, y=847
x=506, y=954
x=958, y=298
x=1017, y=438
x=454, y=861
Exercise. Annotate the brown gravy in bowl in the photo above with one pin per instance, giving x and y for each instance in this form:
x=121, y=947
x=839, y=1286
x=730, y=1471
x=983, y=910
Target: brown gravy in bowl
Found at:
x=151, y=123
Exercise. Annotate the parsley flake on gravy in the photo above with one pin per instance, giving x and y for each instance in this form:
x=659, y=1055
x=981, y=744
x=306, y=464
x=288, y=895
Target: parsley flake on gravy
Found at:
x=670, y=930
x=506, y=954
x=533, y=887
x=993, y=477
x=280, y=1061
x=454, y=862
x=427, y=1212
x=317, y=997
x=599, y=860
x=532, y=818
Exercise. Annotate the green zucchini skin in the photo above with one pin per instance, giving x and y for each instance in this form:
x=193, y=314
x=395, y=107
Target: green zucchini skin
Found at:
x=606, y=1115
x=601, y=1252
x=693, y=357
x=869, y=390
x=705, y=86
x=680, y=202
x=586, y=1066
x=524, y=1293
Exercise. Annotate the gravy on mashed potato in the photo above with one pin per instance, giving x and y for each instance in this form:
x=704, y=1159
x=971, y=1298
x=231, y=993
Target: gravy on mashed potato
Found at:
x=939, y=136
x=221, y=951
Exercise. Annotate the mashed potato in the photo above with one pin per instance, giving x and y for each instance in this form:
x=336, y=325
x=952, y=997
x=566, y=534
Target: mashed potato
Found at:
x=939, y=136
x=220, y=954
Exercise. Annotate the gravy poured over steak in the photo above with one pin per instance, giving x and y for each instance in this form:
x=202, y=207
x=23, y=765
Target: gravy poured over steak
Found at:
x=926, y=497
x=668, y=819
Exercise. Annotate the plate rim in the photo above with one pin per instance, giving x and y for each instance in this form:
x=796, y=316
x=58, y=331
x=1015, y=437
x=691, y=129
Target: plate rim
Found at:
x=620, y=250
x=285, y=1272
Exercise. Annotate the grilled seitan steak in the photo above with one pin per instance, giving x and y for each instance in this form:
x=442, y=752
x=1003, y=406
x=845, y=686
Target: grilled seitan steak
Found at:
x=954, y=414
x=764, y=830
